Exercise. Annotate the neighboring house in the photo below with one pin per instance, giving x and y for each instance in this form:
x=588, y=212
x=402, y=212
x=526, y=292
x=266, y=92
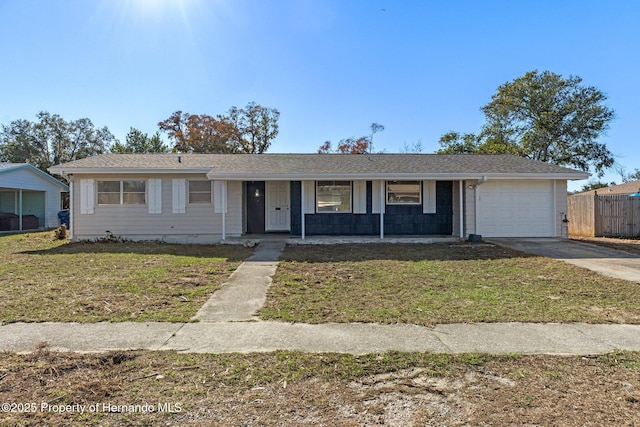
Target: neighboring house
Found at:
x=623, y=189
x=203, y=198
x=29, y=198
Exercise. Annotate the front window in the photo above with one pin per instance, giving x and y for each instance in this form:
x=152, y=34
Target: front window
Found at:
x=108, y=192
x=199, y=192
x=121, y=192
x=133, y=192
x=333, y=196
x=403, y=193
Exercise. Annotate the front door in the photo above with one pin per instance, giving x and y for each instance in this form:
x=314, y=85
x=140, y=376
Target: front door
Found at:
x=278, y=216
x=255, y=207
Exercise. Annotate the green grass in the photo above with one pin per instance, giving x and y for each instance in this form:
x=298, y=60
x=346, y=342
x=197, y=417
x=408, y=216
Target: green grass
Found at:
x=432, y=284
x=42, y=279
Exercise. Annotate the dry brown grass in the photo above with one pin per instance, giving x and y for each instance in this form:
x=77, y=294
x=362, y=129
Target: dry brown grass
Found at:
x=285, y=388
x=43, y=279
x=627, y=245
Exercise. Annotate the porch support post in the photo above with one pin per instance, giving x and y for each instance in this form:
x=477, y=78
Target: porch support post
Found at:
x=382, y=209
x=302, y=209
x=460, y=189
x=20, y=209
x=70, y=208
x=224, y=210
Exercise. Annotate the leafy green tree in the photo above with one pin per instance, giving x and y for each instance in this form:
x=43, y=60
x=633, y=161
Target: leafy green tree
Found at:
x=457, y=143
x=543, y=116
x=242, y=130
x=52, y=140
x=138, y=142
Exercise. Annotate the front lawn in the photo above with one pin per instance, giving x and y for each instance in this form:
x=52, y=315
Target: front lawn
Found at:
x=436, y=284
x=42, y=279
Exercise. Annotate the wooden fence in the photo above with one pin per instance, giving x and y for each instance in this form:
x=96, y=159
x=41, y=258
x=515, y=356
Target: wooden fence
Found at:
x=604, y=216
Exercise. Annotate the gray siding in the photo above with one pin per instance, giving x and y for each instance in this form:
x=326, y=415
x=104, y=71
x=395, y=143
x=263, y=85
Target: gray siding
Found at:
x=199, y=224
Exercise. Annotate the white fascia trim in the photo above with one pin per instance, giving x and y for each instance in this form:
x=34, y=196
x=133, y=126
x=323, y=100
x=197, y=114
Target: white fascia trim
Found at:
x=127, y=171
x=391, y=177
x=316, y=177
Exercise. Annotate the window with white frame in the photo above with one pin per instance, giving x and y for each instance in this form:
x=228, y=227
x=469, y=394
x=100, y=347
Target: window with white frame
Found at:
x=129, y=192
x=333, y=196
x=199, y=192
x=403, y=193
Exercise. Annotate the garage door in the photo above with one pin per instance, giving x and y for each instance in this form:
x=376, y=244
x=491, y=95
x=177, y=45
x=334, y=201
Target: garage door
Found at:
x=516, y=209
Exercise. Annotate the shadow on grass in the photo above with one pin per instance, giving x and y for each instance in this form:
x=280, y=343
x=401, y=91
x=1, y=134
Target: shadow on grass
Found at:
x=229, y=252
x=398, y=252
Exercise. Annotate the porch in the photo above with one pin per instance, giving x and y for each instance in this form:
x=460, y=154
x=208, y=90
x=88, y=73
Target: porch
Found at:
x=363, y=209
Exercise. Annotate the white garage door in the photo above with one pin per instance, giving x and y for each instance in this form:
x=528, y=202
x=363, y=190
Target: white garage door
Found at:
x=516, y=209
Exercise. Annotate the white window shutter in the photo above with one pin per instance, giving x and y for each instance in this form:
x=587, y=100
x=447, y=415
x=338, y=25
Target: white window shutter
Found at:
x=309, y=197
x=219, y=196
x=87, y=191
x=179, y=199
x=375, y=197
x=359, y=197
x=428, y=197
x=155, y=196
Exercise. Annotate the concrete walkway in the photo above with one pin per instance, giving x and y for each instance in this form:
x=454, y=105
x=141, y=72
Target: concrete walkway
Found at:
x=496, y=338
x=245, y=291
x=606, y=261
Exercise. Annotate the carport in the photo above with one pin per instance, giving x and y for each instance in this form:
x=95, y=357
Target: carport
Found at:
x=29, y=198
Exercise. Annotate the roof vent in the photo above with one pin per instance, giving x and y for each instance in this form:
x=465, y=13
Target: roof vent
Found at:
x=179, y=159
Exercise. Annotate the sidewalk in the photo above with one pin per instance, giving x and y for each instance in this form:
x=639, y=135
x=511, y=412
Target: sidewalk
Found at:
x=227, y=323
x=221, y=337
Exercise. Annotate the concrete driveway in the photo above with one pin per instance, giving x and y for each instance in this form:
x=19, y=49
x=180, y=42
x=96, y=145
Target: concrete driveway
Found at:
x=609, y=262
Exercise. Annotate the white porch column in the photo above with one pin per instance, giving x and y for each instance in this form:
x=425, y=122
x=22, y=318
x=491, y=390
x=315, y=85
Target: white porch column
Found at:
x=382, y=209
x=460, y=190
x=20, y=209
x=224, y=211
x=70, y=208
x=302, y=209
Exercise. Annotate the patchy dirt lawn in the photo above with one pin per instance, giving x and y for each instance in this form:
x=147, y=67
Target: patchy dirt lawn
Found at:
x=286, y=388
x=43, y=279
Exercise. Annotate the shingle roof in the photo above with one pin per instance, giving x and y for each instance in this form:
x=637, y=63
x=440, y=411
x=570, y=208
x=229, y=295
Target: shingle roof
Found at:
x=626, y=188
x=237, y=165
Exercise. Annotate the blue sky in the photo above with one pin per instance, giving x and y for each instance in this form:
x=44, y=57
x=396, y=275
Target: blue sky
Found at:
x=331, y=67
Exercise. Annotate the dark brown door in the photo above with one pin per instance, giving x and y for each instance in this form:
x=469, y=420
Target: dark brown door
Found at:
x=255, y=207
